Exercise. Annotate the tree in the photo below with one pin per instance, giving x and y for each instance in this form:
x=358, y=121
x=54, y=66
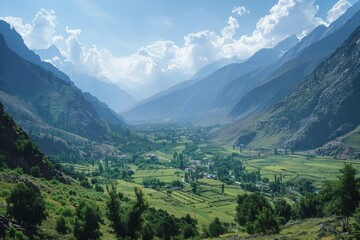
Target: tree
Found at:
x=282, y=209
x=87, y=221
x=61, y=226
x=194, y=187
x=169, y=227
x=189, y=227
x=349, y=195
x=135, y=215
x=26, y=205
x=147, y=232
x=249, y=206
x=354, y=226
x=113, y=212
x=216, y=228
x=101, y=168
x=266, y=222
x=308, y=206
x=35, y=172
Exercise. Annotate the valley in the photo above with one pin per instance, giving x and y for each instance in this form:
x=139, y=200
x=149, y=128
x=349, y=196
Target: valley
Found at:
x=242, y=133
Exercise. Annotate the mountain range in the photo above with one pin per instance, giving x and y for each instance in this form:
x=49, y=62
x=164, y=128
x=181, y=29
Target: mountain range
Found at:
x=240, y=90
x=194, y=100
x=320, y=109
x=48, y=106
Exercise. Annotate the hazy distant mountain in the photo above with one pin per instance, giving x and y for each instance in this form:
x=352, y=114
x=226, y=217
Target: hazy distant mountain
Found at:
x=163, y=82
x=283, y=79
x=319, y=109
x=111, y=94
x=193, y=100
x=212, y=67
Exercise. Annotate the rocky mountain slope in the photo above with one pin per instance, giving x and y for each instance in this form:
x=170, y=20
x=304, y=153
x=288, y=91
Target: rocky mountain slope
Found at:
x=319, y=109
x=282, y=80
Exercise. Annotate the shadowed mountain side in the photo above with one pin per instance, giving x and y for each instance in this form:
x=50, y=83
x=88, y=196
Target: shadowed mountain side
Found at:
x=54, y=101
x=318, y=110
x=292, y=72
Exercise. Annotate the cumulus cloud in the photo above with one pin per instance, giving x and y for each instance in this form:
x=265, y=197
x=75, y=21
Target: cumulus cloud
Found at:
x=240, y=10
x=337, y=10
x=40, y=33
x=285, y=18
x=198, y=49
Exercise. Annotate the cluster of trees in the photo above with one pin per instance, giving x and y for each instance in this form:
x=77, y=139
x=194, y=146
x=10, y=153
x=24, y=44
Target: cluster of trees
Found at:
x=257, y=215
x=137, y=220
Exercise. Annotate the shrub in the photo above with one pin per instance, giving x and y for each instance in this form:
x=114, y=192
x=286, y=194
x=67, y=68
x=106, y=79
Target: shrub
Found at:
x=26, y=205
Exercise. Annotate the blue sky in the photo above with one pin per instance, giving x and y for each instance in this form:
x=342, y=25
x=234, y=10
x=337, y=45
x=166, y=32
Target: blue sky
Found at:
x=134, y=41
x=123, y=26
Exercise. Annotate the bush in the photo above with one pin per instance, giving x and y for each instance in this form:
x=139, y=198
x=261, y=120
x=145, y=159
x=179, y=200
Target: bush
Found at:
x=35, y=172
x=61, y=226
x=26, y=205
x=85, y=183
x=13, y=234
x=99, y=188
x=87, y=221
x=216, y=228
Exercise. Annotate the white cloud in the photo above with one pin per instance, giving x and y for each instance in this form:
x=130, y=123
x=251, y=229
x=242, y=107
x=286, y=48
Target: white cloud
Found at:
x=229, y=31
x=285, y=18
x=198, y=49
x=337, y=10
x=24, y=29
x=40, y=33
x=240, y=10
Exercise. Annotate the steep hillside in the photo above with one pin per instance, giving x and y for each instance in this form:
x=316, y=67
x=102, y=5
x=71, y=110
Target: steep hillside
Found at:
x=321, y=108
x=289, y=74
x=56, y=102
x=55, y=112
x=18, y=150
x=15, y=42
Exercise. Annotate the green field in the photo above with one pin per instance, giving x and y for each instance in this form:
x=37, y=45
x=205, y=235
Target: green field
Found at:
x=316, y=169
x=210, y=202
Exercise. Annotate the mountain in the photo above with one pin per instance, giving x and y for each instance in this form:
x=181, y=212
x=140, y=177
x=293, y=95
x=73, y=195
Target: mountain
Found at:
x=282, y=80
x=193, y=100
x=319, y=109
x=18, y=150
x=111, y=94
x=16, y=43
x=45, y=105
x=212, y=67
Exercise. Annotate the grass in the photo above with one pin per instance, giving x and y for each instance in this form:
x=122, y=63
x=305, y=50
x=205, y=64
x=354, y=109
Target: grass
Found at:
x=317, y=169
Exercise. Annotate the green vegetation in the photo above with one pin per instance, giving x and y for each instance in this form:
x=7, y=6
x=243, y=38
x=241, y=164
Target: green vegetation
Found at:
x=26, y=205
x=188, y=188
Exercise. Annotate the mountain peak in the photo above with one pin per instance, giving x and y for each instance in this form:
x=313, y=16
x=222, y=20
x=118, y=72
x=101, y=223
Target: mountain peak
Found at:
x=287, y=43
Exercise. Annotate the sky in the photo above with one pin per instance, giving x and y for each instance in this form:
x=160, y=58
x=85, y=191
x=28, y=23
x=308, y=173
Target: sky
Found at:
x=136, y=42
